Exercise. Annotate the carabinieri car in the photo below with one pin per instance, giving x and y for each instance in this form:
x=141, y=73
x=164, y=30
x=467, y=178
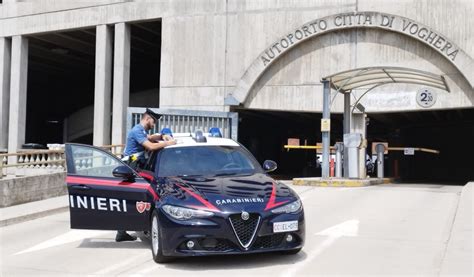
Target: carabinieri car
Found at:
x=206, y=195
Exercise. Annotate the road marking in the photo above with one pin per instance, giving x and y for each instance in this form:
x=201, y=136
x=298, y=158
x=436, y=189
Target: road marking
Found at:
x=123, y=264
x=304, y=194
x=150, y=268
x=348, y=228
x=71, y=236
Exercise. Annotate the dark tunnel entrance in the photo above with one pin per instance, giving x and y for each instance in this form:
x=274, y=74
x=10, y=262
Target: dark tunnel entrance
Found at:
x=451, y=132
x=60, y=82
x=61, y=79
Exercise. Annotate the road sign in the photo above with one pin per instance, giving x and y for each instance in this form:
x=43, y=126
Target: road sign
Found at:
x=425, y=98
x=325, y=125
x=409, y=151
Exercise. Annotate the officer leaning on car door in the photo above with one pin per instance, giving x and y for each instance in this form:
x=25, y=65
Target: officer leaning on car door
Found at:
x=138, y=140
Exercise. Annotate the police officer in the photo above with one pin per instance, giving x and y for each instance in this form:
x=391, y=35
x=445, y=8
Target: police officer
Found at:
x=138, y=140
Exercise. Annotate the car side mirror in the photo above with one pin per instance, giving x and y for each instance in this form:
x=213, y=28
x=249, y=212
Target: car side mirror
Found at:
x=124, y=172
x=269, y=165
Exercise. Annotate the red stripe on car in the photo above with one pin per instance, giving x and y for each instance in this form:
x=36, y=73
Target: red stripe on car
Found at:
x=146, y=175
x=272, y=201
x=111, y=183
x=200, y=199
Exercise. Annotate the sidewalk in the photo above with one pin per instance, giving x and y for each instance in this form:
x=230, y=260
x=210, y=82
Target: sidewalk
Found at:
x=24, y=212
x=458, y=259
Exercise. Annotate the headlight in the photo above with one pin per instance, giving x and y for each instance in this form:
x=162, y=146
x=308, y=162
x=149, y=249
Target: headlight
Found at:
x=181, y=213
x=293, y=207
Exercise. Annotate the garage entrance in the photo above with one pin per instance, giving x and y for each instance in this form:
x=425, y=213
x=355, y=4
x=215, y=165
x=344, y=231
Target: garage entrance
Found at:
x=449, y=131
x=61, y=76
x=60, y=71
x=265, y=133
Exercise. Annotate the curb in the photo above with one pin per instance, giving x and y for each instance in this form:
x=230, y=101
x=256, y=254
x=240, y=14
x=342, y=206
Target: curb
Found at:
x=26, y=217
x=340, y=182
x=33, y=210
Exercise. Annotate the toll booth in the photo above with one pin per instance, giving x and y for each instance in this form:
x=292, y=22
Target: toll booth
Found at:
x=355, y=120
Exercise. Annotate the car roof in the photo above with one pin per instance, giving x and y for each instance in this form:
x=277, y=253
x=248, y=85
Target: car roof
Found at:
x=185, y=140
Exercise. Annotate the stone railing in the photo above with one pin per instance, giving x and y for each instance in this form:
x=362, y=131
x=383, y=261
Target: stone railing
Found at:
x=116, y=149
x=34, y=162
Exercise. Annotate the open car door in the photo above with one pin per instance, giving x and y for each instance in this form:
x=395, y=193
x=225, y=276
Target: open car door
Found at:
x=98, y=200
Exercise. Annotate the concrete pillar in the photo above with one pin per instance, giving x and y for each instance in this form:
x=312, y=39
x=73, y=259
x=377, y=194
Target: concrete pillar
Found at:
x=346, y=129
x=121, y=90
x=326, y=136
x=103, y=84
x=352, y=144
x=5, y=62
x=380, y=149
x=359, y=125
x=18, y=81
x=347, y=113
x=339, y=148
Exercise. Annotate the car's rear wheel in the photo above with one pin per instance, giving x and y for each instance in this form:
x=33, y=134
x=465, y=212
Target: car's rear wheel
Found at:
x=156, y=239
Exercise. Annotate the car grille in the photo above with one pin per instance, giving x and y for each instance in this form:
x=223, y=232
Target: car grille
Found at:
x=244, y=229
x=221, y=245
x=268, y=241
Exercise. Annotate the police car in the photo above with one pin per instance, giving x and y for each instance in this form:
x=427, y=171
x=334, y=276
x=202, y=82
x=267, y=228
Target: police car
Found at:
x=206, y=195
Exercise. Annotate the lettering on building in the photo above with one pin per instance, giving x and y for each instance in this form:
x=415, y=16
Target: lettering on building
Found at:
x=361, y=19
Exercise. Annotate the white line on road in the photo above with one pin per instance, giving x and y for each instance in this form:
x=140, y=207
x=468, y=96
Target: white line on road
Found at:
x=71, y=236
x=304, y=194
x=348, y=228
x=124, y=264
x=150, y=268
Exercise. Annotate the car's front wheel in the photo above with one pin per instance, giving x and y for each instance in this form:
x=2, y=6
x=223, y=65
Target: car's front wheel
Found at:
x=156, y=239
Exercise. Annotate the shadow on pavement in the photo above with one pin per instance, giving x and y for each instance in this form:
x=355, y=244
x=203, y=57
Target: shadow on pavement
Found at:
x=235, y=261
x=111, y=243
x=206, y=262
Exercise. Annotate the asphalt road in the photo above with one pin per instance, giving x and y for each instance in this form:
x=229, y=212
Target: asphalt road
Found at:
x=380, y=230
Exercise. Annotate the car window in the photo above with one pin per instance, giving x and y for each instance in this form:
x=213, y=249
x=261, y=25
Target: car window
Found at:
x=150, y=161
x=92, y=162
x=205, y=161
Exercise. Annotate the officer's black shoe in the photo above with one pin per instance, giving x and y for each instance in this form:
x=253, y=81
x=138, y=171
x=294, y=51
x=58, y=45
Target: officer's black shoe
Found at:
x=124, y=236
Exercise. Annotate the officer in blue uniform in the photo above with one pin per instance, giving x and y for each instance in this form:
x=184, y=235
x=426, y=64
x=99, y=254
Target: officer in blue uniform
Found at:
x=138, y=140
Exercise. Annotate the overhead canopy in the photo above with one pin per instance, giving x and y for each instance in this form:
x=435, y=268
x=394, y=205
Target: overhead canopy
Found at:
x=371, y=77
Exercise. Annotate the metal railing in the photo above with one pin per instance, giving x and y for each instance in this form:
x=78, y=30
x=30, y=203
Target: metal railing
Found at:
x=34, y=162
x=184, y=121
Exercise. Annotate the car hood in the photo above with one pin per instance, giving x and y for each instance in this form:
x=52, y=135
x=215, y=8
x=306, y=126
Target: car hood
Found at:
x=253, y=193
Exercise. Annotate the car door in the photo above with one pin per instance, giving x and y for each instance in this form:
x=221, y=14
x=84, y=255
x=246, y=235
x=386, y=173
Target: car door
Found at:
x=97, y=199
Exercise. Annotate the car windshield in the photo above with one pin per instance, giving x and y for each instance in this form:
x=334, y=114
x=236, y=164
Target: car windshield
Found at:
x=206, y=161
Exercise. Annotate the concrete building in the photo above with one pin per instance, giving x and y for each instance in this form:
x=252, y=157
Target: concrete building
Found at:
x=69, y=69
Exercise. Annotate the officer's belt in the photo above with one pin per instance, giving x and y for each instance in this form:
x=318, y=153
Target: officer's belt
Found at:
x=133, y=157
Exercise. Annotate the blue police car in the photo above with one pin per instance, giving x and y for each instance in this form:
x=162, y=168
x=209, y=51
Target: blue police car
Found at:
x=206, y=195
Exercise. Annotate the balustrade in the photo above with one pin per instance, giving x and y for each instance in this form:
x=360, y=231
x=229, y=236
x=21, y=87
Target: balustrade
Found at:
x=34, y=162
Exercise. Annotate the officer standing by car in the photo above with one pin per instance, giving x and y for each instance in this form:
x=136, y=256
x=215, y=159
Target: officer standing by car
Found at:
x=138, y=140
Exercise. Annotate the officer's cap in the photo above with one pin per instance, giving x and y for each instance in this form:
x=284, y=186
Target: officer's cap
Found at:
x=153, y=115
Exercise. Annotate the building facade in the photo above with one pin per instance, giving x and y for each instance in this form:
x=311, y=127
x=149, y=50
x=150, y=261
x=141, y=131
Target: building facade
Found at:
x=221, y=56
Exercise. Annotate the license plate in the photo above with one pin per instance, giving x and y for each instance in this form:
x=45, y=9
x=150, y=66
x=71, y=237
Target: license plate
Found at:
x=286, y=226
